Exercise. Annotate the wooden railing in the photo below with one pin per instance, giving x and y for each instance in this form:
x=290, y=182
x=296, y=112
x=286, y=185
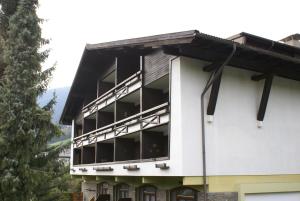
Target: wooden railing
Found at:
x=115, y=91
x=118, y=127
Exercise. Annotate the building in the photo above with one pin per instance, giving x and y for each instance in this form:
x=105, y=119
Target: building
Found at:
x=187, y=116
x=64, y=156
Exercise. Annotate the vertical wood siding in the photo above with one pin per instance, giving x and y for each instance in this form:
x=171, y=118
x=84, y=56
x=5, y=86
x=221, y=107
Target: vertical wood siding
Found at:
x=156, y=66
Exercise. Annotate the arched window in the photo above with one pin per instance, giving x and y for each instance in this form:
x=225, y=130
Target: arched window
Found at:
x=102, y=188
x=148, y=193
x=103, y=192
x=122, y=191
x=183, y=194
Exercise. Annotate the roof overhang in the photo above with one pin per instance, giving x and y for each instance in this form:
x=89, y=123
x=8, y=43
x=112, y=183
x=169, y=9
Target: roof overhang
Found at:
x=190, y=44
x=291, y=37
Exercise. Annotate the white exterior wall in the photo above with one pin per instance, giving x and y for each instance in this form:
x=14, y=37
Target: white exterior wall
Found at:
x=235, y=145
x=189, y=119
x=72, y=146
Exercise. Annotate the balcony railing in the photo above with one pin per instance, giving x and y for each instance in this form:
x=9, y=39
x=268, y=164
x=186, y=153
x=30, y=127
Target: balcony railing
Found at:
x=155, y=116
x=127, y=86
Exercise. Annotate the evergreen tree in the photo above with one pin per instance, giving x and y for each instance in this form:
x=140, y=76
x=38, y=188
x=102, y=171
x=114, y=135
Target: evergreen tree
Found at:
x=8, y=8
x=29, y=169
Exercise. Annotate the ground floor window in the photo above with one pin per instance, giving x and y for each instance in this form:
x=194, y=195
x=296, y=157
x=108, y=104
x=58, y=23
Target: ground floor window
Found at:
x=183, y=194
x=122, y=191
x=148, y=193
x=103, y=192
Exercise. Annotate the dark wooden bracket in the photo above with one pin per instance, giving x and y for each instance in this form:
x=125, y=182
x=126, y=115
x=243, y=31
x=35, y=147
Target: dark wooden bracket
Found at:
x=211, y=67
x=265, y=94
x=83, y=169
x=131, y=167
x=103, y=169
x=214, y=95
x=259, y=77
x=162, y=166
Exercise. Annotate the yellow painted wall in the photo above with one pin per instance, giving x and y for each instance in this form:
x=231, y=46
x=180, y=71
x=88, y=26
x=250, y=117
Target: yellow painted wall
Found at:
x=232, y=183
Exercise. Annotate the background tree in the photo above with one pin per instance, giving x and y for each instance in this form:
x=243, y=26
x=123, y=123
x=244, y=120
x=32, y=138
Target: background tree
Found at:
x=29, y=169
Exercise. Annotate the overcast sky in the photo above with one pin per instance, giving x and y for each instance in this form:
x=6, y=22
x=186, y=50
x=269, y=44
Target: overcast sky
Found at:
x=73, y=23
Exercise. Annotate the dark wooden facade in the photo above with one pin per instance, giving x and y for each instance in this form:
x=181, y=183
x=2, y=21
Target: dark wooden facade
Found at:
x=151, y=69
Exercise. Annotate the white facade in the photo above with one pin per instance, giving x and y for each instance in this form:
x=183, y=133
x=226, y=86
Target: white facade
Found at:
x=235, y=144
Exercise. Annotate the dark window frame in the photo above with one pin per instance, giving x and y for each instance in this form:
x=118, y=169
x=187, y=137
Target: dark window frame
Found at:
x=101, y=190
x=143, y=194
x=176, y=195
x=121, y=193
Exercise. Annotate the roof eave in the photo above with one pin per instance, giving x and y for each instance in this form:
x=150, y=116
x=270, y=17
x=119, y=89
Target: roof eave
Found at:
x=61, y=119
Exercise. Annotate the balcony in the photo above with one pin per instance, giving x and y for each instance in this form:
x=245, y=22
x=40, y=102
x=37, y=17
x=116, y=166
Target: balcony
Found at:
x=121, y=141
x=124, y=88
x=150, y=118
x=127, y=123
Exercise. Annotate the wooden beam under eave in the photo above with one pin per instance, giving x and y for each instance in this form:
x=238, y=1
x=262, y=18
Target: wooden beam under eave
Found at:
x=259, y=77
x=214, y=95
x=265, y=97
x=211, y=67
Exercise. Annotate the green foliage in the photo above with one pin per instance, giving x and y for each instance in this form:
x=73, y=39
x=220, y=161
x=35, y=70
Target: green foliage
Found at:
x=29, y=169
x=8, y=8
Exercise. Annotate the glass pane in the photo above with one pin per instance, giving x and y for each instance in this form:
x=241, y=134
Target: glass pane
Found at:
x=183, y=194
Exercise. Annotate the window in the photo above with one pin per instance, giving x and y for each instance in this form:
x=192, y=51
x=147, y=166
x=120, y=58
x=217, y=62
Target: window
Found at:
x=122, y=191
x=148, y=193
x=103, y=192
x=102, y=188
x=183, y=194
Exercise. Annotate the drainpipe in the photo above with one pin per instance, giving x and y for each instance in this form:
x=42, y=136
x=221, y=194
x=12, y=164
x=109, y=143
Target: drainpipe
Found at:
x=214, y=75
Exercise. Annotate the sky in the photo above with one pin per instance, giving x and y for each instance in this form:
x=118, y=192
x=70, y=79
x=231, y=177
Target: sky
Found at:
x=71, y=24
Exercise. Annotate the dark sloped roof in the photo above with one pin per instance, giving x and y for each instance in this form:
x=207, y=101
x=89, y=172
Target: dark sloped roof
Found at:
x=264, y=43
x=149, y=41
x=280, y=59
x=291, y=37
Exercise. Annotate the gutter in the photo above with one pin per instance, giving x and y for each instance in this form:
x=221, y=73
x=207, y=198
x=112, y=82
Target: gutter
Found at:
x=214, y=75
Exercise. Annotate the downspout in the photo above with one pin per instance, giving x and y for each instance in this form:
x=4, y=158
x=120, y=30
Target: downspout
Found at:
x=214, y=75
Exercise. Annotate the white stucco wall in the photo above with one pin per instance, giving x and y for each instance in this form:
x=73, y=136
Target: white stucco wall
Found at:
x=235, y=145
x=190, y=87
x=72, y=146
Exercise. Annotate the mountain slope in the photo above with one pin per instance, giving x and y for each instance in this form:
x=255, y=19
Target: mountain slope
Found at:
x=61, y=97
